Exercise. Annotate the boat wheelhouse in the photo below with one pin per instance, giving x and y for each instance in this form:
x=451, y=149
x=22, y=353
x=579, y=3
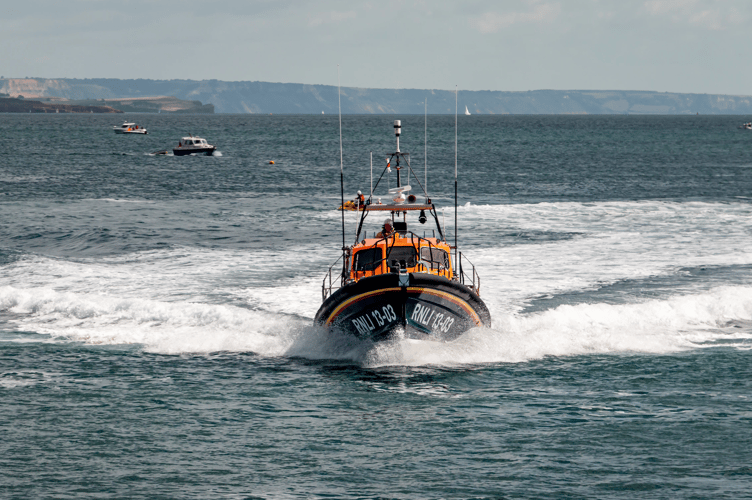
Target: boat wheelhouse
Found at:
x=400, y=280
x=129, y=128
x=193, y=145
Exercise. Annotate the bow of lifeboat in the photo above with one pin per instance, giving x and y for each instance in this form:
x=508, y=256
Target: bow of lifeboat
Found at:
x=403, y=280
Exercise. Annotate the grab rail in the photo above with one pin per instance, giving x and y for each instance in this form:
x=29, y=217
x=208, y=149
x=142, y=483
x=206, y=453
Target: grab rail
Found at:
x=474, y=277
x=326, y=290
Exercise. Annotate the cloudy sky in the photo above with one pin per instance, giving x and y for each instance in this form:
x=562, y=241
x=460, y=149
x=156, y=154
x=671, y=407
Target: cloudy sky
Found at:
x=698, y=46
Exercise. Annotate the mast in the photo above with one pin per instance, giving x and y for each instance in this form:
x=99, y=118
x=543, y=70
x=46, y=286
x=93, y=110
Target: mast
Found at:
x=425, y=147
x=397, y=131
x=342, y=176
x=371, y=196
x=455, y=178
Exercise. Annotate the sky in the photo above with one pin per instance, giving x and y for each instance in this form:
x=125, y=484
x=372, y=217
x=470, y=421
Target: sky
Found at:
x=693, y=46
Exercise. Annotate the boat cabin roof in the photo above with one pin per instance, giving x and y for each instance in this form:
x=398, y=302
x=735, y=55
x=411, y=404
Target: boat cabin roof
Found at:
x=393, y=207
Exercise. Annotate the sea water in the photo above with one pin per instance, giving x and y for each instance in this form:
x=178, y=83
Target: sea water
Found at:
x=156, y=336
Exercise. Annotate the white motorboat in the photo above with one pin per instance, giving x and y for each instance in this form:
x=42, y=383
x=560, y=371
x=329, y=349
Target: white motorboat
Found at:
x=193, y=145
x=129, y=128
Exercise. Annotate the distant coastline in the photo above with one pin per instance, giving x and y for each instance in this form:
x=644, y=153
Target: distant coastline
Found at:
x=209, y=96
x=15, y=105
x=61, y=97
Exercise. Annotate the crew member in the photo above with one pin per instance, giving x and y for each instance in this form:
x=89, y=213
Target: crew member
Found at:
x=386, y=230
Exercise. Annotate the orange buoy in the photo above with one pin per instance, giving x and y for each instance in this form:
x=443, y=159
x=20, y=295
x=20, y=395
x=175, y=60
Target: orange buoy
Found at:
x=271, y=162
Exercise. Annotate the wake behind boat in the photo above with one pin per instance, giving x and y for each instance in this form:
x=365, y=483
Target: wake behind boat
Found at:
x=398, y=279
x=129, y=128
x=193, y=145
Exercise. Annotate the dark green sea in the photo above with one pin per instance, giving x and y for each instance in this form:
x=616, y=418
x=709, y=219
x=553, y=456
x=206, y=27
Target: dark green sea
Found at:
x=156, y=337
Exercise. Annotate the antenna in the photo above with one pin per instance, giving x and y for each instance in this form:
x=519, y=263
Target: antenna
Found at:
x=342, y=176
x=397, y=131
x=455, y=177
x=371, y=196
x=425, y=145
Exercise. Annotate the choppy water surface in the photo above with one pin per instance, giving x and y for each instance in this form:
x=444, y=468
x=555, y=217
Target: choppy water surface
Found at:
x=155, y=312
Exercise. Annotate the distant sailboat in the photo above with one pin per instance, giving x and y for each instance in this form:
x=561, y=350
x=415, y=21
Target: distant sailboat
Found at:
x=466, y=111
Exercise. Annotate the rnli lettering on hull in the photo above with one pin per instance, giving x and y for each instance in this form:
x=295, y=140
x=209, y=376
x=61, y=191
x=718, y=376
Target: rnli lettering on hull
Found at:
x=432, y=319
x=367, y=323
x=424, y=312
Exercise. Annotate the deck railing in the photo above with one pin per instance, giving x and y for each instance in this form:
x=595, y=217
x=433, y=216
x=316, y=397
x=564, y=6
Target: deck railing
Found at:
x=463, y=277
x=329, y=284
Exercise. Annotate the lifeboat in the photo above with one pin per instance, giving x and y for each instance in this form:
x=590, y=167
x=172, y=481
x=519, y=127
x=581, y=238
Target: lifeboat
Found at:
x=402, y=280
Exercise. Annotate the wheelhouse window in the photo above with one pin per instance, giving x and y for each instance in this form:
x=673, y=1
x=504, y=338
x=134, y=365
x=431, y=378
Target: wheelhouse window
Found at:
x=367, y=260
x=435, y=257
x=402, y=257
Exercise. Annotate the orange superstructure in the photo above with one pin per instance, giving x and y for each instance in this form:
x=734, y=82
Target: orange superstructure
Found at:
x=374, y=256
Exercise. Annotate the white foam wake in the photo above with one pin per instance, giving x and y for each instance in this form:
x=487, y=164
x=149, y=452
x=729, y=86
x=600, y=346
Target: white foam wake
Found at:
x=185, y=299
x=655, y=326
x=166, y=327
x=598, y=243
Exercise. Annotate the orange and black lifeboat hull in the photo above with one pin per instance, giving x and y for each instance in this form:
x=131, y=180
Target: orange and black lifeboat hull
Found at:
x=424, y=305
